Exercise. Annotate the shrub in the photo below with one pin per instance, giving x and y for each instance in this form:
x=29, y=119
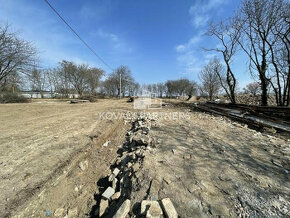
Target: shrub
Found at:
x=12, y=98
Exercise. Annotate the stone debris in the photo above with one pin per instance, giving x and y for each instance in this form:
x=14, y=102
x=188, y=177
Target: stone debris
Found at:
x=116, y=195
x=108, y=193
x=126, y=169
x=84, y=165
x=116, y=171
x=128, y=163
x=154, y=188
x=123, y=210
x=103, y=207
x=168, y=208
x=151, y=209
x=186, y=156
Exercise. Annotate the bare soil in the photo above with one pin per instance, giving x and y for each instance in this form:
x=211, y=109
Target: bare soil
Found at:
x=52, y=157
x=213, y=167
x=42, y=146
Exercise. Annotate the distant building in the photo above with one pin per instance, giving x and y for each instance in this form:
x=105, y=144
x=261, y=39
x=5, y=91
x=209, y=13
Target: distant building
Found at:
x=147, y=100
x=46, y=94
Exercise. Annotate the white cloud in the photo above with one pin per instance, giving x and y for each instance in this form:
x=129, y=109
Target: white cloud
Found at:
x=201, y=11
x=111, y=36
x=190, y=63
x=180, y=48
x=192, y=43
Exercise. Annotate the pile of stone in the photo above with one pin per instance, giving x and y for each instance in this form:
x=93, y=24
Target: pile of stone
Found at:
x=115, y=199
x=128, y=162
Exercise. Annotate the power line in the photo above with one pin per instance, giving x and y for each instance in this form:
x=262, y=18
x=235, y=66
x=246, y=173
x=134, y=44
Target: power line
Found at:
x=80, y=38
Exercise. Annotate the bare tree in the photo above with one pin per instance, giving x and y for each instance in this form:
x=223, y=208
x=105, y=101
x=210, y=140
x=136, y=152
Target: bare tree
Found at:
x=210, y=84
x=111, y=85
x=280, y=54
x=228, y=36
x=16, y=55
x=256, y=21
x=77, y=75
x=160, y=89
x=11, y=83
x=64, y=71
x=93, y=77
x=38, y=81
x=191, y=89
x=252, y=88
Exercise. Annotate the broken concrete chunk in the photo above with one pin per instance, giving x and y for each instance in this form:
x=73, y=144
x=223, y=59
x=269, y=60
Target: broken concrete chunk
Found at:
x=154, y=189
x=129, y=165
x=168, y=208
x=84, y=165
x=103, y=207
x=115, y=181
x=108, y=193
x=151, y=209
x=154, y=211
x=167, y=180
x=111, y=178
x=106, y=143
x=186, y=156
x=116, y=195
x=123, y=210
x=116, y=171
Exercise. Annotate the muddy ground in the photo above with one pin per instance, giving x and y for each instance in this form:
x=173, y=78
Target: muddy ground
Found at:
x=52, y=156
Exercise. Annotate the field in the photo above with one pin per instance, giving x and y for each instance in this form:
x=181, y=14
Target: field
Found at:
x=41, y=140
x=52, y=156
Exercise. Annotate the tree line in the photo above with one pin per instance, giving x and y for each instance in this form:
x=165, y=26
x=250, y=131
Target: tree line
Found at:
x=260, y=29
x=19, y=71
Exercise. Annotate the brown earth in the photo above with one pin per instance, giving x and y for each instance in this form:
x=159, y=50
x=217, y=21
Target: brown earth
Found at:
x=52, y=156
x=213, y=167
x=42, y=146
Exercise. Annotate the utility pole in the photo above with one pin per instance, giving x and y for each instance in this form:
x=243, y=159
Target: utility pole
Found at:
x=120, y=84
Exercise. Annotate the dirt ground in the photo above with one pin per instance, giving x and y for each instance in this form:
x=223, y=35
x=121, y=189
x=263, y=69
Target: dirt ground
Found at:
x=42, y=146
x=210, y=166
x=52, y=156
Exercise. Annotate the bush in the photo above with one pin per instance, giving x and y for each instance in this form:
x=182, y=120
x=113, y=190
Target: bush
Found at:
x=12, y=98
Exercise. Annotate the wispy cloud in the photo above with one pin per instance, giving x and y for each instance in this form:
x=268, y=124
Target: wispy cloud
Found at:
x=117, y=43
x=192, y=43
x=190, y=55
x=110, y=36
x=200, y=12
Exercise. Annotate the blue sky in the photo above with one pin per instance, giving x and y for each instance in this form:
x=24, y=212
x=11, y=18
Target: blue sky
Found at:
x=157, y=39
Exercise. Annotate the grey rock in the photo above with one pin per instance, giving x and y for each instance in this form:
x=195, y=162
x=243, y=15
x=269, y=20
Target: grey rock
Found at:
x=151, y=209
x=108, y=193
x=123, y=210
x=84, y=165
x=154, y=189
x=103, y=207
x=168, y=208
x=116, y=171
